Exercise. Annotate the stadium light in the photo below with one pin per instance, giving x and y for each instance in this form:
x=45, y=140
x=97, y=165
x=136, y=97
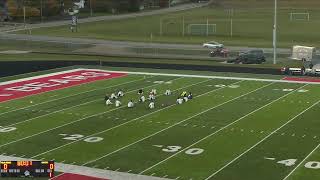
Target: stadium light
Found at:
x=275, y=33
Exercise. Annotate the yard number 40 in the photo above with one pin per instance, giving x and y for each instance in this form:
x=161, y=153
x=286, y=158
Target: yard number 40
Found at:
x=291, y=162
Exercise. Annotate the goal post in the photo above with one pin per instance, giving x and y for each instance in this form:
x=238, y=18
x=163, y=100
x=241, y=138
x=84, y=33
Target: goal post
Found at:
x=299, y=16
x=202, y=29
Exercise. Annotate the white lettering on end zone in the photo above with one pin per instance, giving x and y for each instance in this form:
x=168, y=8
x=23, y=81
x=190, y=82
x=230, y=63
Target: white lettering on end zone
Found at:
x=50, y=82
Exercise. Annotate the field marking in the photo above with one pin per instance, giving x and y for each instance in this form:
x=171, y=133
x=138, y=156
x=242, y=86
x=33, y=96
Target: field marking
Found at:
x=70, y=95
x=72, y=121
x=180, y=122
x=214, y=77
x=97, y=133
x=78, y=105
x=317, y=147
x=208, y=136
x=264, y=139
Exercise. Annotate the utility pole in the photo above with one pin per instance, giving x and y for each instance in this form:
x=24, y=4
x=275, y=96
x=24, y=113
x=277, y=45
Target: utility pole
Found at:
x=275, y=33
x=91, y=11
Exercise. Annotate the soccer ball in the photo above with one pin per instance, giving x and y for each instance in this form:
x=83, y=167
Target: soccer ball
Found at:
x=31, y=102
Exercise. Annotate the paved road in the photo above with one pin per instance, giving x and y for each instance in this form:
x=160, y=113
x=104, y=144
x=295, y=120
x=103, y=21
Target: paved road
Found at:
x=122, y=44
x=112, y=17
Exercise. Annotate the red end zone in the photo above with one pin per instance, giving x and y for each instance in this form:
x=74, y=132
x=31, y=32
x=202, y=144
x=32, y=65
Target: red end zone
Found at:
x=69, y=176
x=297, y=79
x=35, y=85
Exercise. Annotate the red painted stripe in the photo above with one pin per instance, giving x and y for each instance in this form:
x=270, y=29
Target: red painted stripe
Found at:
x=69, y=176
x=25, y=88
x=302, y=79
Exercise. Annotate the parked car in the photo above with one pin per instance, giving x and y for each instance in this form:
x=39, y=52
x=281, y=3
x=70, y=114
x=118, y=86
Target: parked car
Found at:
x=212, y=44
x=255, y=56
x=220, y=52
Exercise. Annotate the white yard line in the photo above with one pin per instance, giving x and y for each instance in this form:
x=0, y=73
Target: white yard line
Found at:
x=69, y=95
x=87, y=171
x=219, y=130
x=109, y=129
x=317, y=147
x=263, y=139
x=221, y=104
x=212, y=77
x=74, y=121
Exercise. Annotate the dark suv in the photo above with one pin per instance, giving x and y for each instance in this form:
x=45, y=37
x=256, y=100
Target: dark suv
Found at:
x=255, y=56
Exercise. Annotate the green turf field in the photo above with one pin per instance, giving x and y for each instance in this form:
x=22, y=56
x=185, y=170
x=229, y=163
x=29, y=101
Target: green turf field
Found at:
x=233, y=129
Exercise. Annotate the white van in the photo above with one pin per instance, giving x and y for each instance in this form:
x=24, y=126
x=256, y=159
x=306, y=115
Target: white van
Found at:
x=303, y=52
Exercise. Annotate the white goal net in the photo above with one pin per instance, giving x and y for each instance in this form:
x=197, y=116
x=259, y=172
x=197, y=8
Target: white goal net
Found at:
x=202, y=29
x=299, y=16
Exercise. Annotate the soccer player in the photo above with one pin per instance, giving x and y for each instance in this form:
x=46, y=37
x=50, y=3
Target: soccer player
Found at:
x=154, y=91
x=108, y=102
x=190, y=96
x=179, y=100
x=184, y=94
x=152, y=97
x=151, y=105
x=120, y=93
x=113, y=96
x=118, y=103
x=130, y=104
x=168, y=92
x=142, y=99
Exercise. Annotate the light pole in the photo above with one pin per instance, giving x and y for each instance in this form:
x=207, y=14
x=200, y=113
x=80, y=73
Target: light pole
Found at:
x=275, y=33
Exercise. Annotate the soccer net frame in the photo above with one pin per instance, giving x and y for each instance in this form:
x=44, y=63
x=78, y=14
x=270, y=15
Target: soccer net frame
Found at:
x=201, y=29
x=301, y=16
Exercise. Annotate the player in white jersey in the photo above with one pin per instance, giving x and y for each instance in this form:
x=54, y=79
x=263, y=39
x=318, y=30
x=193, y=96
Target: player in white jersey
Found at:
x=142, y=99
x=151, y=105
x=154, y=92
x=108, y=102
x=185, y=99
x=118, y=103
x=152, y=97
x=120, y=93
x=168, y=92
x=113, y=96
x=179, y=100
x=130, y=104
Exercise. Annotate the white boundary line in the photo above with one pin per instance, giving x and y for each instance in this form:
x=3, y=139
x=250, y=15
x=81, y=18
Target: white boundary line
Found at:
x=81, y=119
x=71, y=95
x=317, y=147
x=207, y=110
x=41, y=76
x=263, y=139
x=208, y=136
x=213, y=77
x=97, y=133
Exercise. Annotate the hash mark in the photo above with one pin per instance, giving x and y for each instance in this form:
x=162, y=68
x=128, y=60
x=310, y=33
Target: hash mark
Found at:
x=152, y=174
x=118, y=169
x=129, y=171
